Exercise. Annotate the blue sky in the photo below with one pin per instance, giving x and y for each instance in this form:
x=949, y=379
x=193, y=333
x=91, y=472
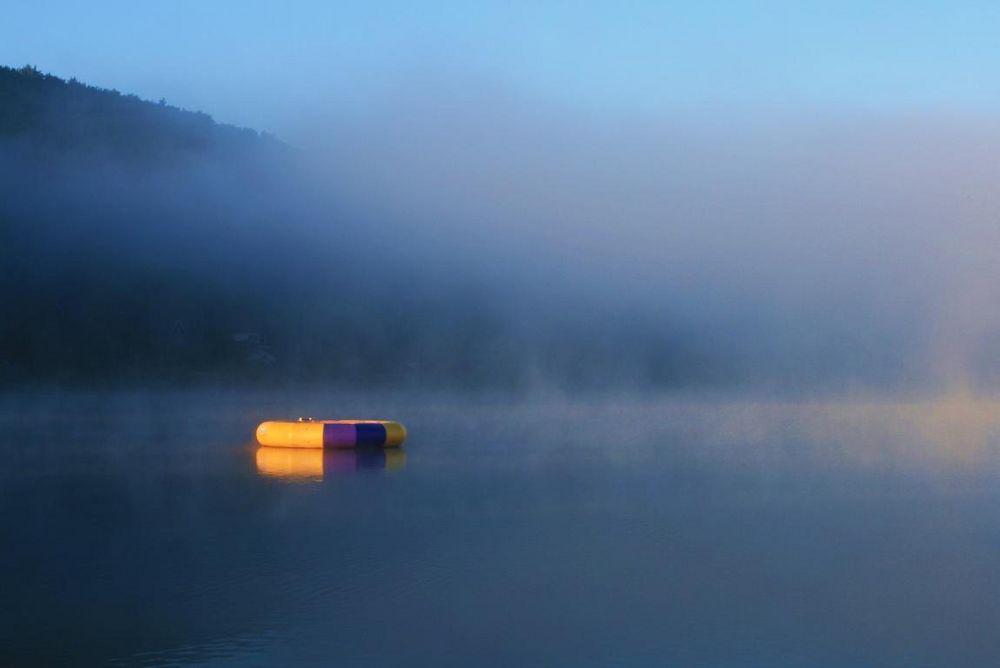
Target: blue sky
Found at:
x=256, y=63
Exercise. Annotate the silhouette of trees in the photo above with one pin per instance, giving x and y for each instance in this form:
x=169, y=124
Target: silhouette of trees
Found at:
x=142, y=242
x=53, y=113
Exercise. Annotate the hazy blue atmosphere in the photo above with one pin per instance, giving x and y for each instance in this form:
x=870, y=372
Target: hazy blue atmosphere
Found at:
x=692, y=312
x=787, y=193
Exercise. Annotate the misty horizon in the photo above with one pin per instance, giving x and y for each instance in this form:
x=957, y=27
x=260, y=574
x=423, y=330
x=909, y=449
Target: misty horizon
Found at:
x=791, y=251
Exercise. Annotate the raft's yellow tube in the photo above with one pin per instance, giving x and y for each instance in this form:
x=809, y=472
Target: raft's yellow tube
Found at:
x=395, y=434
x=290, y=434
x=331, y=433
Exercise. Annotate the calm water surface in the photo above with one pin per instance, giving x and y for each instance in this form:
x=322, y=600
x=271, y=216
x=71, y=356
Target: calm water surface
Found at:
x=147, y=529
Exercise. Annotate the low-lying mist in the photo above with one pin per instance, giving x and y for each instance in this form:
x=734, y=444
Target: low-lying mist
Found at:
x=471, y=236
x=823, y=250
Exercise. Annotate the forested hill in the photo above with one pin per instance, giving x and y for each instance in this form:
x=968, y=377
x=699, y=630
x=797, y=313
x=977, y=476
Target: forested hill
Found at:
x=141, y=243
x=128, y=230
x=47, y=112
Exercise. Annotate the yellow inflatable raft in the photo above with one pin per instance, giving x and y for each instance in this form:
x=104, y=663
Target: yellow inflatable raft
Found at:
x=309, y=433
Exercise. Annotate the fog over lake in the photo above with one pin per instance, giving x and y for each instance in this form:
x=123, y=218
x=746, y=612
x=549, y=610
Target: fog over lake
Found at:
x=479, y=238
x=691, y=313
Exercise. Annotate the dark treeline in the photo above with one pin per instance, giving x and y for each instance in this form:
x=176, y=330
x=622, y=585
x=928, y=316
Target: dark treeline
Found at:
x=143, y=243
x=47, y=113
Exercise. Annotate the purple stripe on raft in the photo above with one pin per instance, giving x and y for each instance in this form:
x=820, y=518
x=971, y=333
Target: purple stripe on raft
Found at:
x=339, y=436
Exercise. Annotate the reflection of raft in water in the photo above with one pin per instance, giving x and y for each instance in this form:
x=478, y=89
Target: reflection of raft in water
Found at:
x=309, y=433
x=314, y=463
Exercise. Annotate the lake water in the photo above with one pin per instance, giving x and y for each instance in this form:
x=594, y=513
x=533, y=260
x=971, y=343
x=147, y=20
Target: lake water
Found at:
x=147, y=529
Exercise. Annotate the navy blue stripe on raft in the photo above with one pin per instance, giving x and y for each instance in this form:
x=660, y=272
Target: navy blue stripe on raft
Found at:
x=371, y=433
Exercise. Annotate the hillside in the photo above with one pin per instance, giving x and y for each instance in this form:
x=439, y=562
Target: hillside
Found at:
x=46, y=112
x=141, y=243
x=124, y=229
